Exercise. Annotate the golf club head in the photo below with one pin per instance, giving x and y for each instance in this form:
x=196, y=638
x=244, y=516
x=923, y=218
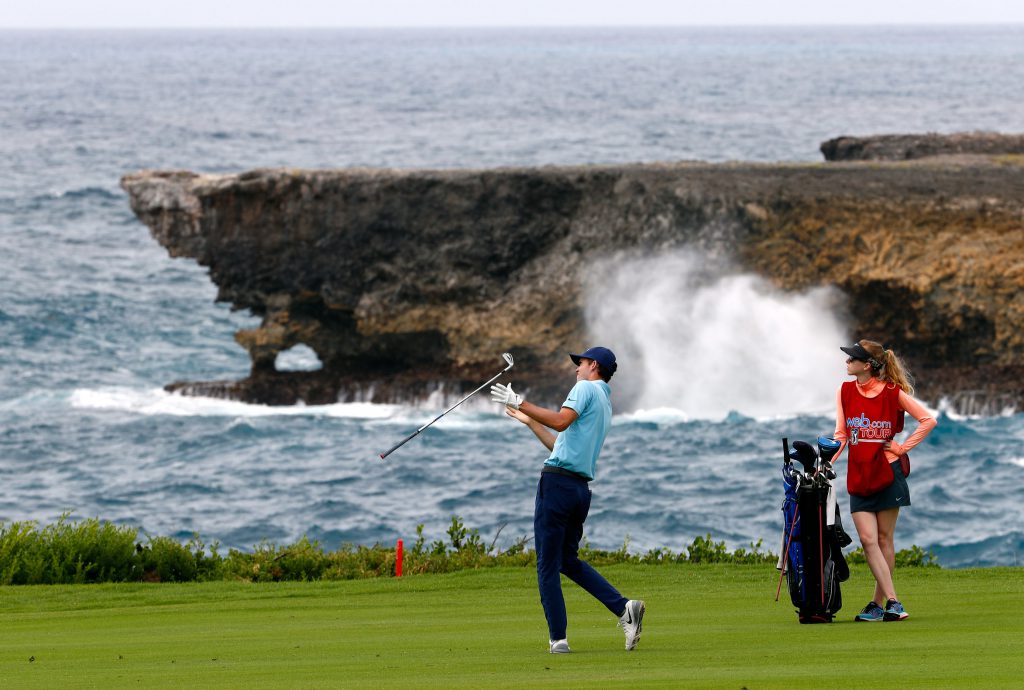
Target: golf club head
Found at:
x=826, y=469
x=507, y=356
x=828, y=447
x=804, y=453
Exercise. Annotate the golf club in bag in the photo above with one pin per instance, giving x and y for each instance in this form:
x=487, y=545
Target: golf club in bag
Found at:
x=812, y=559
x=508, y=360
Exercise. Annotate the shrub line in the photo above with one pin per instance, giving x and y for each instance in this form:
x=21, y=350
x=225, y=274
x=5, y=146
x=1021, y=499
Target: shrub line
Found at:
x=93, y=551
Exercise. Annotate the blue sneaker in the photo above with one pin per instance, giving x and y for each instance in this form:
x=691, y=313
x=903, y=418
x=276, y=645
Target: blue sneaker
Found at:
x=894, y=611
x=871, y=614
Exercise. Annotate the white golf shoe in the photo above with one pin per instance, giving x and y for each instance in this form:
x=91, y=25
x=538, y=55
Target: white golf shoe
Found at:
x=631, y=622
x=558, y=646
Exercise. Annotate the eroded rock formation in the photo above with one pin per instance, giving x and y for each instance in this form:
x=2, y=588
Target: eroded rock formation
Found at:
x=899, y=147
x=404, y=280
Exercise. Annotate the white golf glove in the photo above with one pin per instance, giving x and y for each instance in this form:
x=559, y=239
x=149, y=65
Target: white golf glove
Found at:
x=504, y=395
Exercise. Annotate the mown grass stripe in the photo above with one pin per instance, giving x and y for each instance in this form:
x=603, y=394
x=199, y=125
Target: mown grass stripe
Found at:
x=707, y=626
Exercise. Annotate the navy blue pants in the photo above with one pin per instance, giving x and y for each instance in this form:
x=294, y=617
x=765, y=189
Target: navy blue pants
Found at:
x=561, y=509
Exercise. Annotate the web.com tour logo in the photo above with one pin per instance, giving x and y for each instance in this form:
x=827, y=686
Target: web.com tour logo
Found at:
x=862, y=428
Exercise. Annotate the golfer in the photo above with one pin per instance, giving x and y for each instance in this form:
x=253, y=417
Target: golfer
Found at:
x=563, y=497
x=869, y=412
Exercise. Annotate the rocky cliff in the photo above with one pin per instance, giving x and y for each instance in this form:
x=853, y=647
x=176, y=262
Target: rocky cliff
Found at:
x=404, y=280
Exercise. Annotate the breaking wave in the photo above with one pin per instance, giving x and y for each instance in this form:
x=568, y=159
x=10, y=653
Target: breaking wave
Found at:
x=696, y=335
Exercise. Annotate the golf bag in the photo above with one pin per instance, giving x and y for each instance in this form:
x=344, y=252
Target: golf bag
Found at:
x=813, y=537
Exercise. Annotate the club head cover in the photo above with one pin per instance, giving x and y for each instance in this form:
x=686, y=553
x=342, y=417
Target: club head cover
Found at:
x=805, y=455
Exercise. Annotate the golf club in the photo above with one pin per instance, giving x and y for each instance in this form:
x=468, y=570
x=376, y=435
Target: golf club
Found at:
x=506, y=356
x=828, y=447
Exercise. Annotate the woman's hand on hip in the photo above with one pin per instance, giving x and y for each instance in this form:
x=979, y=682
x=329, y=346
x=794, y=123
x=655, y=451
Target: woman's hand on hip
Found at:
x=894, y=447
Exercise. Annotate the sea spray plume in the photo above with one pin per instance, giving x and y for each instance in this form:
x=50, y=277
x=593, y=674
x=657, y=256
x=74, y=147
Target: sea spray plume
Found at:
x=696, y=334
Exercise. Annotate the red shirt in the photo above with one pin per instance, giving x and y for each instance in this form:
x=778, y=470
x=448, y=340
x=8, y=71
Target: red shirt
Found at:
x=863, y=393
x=870, y=422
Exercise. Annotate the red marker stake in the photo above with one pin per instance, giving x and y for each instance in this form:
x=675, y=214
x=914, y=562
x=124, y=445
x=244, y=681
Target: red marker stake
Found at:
x=399, y=553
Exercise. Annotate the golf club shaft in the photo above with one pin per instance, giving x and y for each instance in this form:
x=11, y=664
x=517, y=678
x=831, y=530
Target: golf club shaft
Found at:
x=417, y=432
x=785, y=557
x=401, y=443
x=486, y=383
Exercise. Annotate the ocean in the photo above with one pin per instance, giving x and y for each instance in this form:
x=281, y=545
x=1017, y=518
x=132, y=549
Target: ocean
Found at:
x=95, y=317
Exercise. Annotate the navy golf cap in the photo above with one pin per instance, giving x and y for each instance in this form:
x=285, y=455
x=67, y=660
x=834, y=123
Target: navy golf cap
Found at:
x=601, y=355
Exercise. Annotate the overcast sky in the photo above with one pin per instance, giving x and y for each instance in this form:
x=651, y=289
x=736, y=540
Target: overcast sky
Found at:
x=424, y=13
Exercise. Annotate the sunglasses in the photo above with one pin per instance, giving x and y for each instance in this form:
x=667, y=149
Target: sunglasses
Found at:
x=854, y=359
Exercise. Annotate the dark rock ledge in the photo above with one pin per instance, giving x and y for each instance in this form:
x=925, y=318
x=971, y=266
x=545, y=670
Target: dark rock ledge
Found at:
x=403, y=281
x=899, y=147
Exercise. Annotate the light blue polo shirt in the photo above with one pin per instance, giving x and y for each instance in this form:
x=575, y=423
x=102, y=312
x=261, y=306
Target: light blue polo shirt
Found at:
x=576, y=449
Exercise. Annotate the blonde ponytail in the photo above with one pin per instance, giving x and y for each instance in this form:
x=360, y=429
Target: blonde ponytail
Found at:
x=891, y=368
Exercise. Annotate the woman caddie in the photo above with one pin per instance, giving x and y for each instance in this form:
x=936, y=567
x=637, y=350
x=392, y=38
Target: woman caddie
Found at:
x=869, y=412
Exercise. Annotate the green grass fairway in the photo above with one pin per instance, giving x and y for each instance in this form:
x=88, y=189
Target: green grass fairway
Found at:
x=706, y=626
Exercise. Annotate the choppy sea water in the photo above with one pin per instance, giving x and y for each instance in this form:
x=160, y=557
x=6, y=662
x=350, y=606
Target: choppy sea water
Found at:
x=95, y=318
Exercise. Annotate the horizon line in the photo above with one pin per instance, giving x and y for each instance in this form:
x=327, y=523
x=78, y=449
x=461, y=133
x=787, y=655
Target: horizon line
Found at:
x=366, y=27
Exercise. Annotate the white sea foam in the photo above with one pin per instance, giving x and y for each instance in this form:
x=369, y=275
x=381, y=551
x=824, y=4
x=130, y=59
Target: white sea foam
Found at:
x=698, y=336
x=658, y=415
x=156, y=401
x=975, y=409
x=470, y=415
x=667, y=416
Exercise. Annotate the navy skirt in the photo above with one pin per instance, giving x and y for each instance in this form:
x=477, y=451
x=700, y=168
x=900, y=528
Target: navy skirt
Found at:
x=896, y=495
